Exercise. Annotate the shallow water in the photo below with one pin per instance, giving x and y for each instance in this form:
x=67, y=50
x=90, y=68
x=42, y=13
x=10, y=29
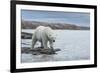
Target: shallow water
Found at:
x=74, y=45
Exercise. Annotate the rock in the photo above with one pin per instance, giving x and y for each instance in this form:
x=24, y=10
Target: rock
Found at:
x=39, y=50
x=25, y=35
x=36, y=53
x=57, y=49
x=47, y=51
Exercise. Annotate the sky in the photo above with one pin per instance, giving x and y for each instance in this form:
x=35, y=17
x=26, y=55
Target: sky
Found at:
x=77, y=18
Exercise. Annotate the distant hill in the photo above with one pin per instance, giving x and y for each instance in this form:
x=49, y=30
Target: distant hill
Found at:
x=34, y=24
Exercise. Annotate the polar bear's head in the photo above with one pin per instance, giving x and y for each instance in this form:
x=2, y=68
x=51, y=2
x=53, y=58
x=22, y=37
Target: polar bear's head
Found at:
x=50, y=34
x=52, y=37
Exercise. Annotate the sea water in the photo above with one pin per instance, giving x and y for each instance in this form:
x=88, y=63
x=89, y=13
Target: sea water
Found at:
x=74, y=45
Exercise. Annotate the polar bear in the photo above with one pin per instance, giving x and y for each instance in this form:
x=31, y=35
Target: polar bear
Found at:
x=44, y=35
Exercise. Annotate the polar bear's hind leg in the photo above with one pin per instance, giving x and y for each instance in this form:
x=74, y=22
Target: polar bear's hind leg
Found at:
x=45, y=44
x=33, y=42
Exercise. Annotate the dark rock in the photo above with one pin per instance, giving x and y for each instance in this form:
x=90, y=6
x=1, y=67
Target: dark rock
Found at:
x=38, y=51
x=25, y=35
x=47, y=51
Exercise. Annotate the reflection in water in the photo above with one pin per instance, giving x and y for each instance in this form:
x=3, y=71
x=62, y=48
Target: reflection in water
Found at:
x=45, y=57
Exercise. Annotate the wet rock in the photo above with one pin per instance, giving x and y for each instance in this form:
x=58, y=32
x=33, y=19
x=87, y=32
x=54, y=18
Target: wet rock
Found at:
x=47, y=51
x=36, y=53
x=39, y=50
x=25, y=35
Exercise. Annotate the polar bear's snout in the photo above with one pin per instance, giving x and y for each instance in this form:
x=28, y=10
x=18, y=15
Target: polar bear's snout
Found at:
x=53, y=40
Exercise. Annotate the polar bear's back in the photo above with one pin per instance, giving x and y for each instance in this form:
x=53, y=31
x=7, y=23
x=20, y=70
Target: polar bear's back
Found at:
x=40, y=32
x=43, y=29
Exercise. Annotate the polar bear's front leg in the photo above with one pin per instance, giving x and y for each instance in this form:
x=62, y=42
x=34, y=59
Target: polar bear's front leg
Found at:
x=42, y=44
x=51, y=44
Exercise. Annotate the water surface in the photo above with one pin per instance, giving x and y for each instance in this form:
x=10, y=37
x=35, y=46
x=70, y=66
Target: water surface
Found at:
x=74, y=45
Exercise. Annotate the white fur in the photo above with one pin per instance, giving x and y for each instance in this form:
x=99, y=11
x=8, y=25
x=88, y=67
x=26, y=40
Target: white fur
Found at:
x=43, y=34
